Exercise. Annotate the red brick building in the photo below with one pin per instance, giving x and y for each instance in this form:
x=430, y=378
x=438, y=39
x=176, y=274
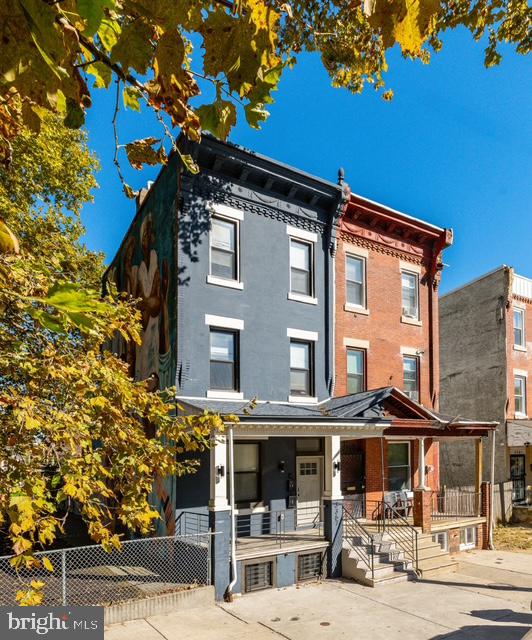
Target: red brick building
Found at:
x=388, y=267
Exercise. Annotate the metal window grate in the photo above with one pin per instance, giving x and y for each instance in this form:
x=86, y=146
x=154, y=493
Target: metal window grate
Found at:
x=309, y=566
x=258, y=576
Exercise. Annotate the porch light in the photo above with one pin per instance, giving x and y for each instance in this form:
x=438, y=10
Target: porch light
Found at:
x=336, y=466
x=220, y=472
x=281, y=466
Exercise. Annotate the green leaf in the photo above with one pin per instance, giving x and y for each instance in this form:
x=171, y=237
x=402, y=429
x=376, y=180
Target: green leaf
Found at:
x=109, y=33
x=134, y=48
x=131, y=97
x=92, y=11
x=102, y=73
x=218, y=117
x=256, y=114
x=75, y=115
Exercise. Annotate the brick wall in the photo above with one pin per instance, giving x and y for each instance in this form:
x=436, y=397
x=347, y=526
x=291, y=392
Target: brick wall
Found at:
x=382, y=326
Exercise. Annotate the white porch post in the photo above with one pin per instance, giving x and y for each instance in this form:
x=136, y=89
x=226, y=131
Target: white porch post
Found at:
x=332, y=486
x=333, y=506
x=218, y=478
x=421, y=464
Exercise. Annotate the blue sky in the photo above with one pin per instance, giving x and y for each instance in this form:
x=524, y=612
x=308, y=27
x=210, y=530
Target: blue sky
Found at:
x=454, y=147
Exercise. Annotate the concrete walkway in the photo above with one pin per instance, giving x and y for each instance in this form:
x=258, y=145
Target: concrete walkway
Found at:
x=467, y=605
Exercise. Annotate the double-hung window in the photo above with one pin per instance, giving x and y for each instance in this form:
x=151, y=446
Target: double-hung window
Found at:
x=224, y=248
x=410, y=295
x=519, y=328
x=399, y=473
x=411, y=377
x=355, y=281
x=301, y=368
x=224, y=360
x=301, y=271
x=247, y=472
x=520, y=395
x=356, y=370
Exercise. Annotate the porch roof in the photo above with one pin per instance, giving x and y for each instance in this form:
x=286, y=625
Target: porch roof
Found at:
x=384, y=411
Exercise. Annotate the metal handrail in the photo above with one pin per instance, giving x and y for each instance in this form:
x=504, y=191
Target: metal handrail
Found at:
x=191, y=523
x=352, y=528
x=400, y=531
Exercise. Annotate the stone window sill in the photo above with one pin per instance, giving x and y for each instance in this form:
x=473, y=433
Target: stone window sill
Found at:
x=518, y=347
x=413, y=321
x=297, y=297
x=354, y=308
x=222, y=282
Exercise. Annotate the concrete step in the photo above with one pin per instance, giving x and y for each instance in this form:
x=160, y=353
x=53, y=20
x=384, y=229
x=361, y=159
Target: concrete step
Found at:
x=383, y=572
x=432, y=567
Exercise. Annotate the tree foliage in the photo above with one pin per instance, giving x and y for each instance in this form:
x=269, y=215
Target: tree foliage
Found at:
x=163, y=52
x=75, y=428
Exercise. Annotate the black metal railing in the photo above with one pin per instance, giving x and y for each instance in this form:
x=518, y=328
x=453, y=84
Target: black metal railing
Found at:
x=452, y=504
x=358, y=538
x=399, y=530
x=190, y=523
x=281, y=525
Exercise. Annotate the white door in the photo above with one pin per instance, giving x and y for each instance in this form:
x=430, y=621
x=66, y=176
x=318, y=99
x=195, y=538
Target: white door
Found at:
x=309, y=489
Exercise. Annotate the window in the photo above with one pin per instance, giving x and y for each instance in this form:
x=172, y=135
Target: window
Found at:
x=309, y=566
x=301, y=267
x=399, y=475
x=519, y=327
x=224, y=249
x=468, y=538
x=247, y=470
x=258, y=576
x=520, y=394
x=301, y=378
x=355, y=276
x=411, y=377
x=224, y=360
x=442, y=539
x=410, y=294
x=356, y=365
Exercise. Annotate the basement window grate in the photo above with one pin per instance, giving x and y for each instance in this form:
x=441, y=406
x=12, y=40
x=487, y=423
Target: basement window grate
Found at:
x=258, y=576
x=309, y=566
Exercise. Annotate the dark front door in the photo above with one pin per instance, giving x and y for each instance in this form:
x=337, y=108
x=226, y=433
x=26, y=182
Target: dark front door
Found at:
x=353, y=475
x=517, y=476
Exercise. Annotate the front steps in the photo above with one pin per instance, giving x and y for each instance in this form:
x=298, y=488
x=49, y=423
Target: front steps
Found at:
x=390, y=564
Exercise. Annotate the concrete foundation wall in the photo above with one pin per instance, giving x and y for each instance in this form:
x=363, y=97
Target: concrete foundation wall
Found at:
x=473, y=372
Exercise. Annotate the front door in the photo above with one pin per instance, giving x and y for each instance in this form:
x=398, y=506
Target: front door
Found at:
x=309, y=489
x=517, y=476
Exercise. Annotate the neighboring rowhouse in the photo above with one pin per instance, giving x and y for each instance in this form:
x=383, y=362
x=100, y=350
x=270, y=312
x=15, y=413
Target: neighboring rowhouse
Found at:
x=486, y=361
x=388, y=269
x=236, y=270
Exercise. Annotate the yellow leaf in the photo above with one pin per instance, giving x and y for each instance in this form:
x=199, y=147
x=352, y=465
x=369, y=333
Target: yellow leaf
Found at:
x=47, y=564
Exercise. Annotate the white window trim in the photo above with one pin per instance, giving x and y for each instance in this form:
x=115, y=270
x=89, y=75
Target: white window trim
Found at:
x=413, y=272
x=223, y=322
x=411, y=351
x=226, y=211
x=354, y=308
x=401, y=466
x=303, y=399
x=227, y=282
x=301, y=234
x=225, y=395
x=470, y=545
x=298, y=297
x=521, y=372
x=408, y=266
x=350, y=306
x=300, y=334
x=222, y=282
x=356, y=344
x=521, y=347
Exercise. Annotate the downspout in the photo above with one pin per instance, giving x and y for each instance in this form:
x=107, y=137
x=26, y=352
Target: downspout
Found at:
x=492, y=490
x=444, y=241
x=229, y=591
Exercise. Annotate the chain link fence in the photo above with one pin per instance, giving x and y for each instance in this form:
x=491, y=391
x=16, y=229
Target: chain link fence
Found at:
x=91, y=576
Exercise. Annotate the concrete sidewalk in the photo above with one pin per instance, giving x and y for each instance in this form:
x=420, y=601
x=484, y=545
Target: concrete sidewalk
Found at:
x=467, y=605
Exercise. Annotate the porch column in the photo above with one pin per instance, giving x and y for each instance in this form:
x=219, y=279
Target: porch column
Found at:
x=422, y=494
x=219, y=517
x=478, y=466
x=486, y=511
x=333, y=506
